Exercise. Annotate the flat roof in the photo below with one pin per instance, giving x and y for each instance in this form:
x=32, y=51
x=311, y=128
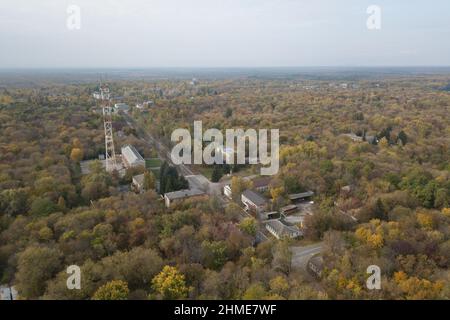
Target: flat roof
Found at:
x=121, y=106
x=186, y=193
x=139, y=178
x=281, y=228
x=301, y=195
x=254, y=197
x=131, y=154
x=289, y=207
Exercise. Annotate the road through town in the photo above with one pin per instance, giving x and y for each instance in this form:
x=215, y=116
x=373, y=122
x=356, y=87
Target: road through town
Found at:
x=197, y=181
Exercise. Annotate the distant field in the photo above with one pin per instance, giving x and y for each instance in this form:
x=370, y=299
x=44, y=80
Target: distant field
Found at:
x=153, y=162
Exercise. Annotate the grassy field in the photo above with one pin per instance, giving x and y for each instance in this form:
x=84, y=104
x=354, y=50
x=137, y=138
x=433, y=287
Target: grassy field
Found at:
x=248, y=171
x=204, y=170
x=243, y=172
x=153, y=163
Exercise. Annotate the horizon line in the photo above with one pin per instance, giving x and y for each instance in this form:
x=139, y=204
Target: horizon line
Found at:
x=224, y=67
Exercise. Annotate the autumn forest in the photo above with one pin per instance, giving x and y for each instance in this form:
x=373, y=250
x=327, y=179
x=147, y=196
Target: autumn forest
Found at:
x=374, y=150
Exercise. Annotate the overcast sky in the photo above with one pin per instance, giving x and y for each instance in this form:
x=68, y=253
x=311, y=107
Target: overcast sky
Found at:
x=223, y=33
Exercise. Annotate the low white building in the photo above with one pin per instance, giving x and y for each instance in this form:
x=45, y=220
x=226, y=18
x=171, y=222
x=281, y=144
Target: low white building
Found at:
x=176, y=196
x=300, y=197
x=131, y=157
x=281, y=230
x=138, y=182
x=315, y=266
x=121, y=107
x=253, y=201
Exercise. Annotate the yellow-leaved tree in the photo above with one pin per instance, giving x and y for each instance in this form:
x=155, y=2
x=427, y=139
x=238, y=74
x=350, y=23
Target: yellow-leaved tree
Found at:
x=238, y=185
x=414, y=288
x=170, y=284
x=113, y=290
x=76, y=154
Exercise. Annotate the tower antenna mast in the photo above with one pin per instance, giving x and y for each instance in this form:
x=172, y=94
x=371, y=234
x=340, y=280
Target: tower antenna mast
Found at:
x=110, y=155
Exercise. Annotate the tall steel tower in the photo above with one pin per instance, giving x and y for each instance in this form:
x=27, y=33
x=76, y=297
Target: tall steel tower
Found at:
x=110, y=155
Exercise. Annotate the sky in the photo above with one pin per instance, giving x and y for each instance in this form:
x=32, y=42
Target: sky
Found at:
x=223, y=33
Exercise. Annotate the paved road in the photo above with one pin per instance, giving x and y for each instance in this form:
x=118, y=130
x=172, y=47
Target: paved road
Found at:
x=162, y=150
x=301, y=255
x=195, y=180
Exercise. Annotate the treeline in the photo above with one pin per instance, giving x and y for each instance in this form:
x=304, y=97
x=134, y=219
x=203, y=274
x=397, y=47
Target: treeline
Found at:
x=384, y=204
